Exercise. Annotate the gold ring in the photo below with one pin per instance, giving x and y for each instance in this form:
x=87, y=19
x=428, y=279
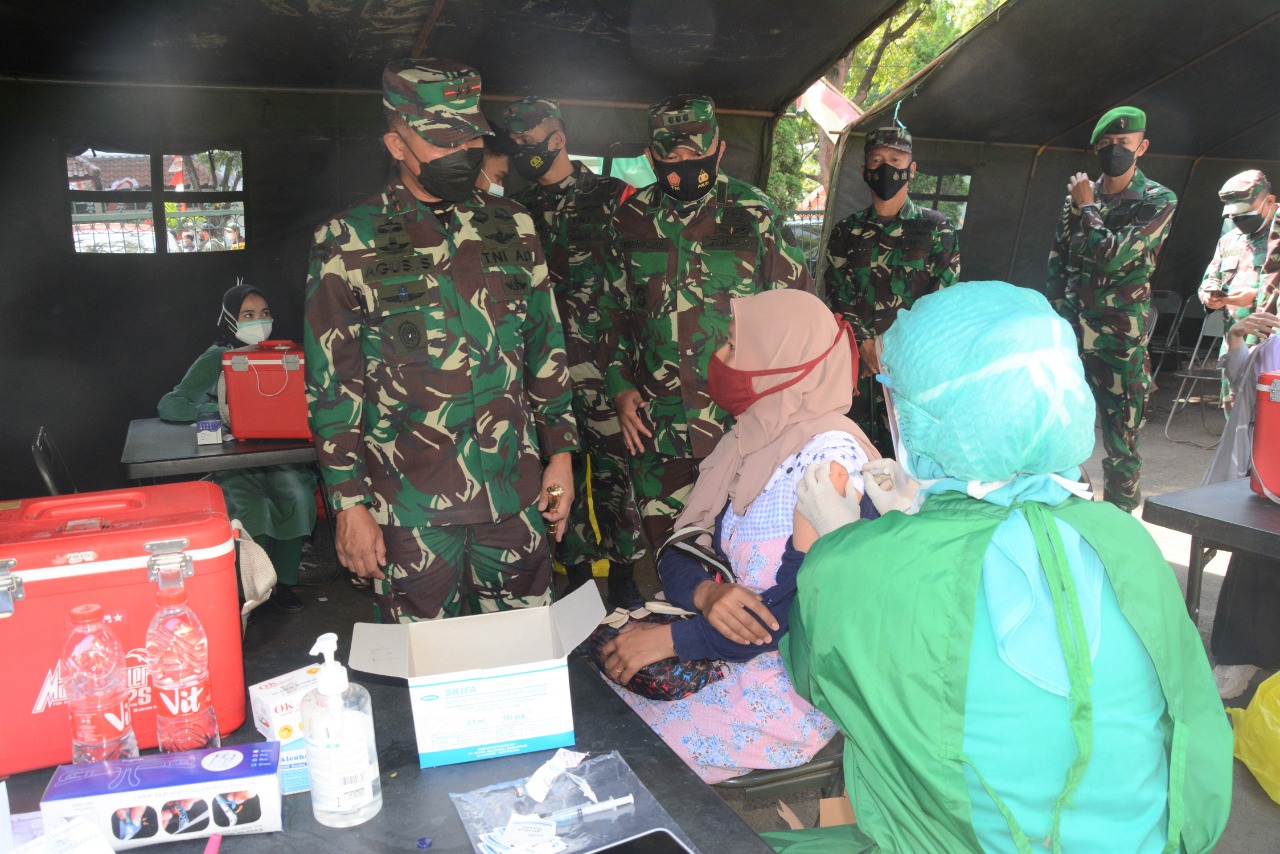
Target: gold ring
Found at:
x=618, y=672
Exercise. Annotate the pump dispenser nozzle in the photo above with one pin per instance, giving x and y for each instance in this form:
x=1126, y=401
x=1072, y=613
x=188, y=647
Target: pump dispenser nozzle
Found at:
x=333, y=676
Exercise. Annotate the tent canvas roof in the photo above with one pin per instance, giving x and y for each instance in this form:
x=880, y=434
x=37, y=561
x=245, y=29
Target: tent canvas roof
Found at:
x=1041, y=72
x=755, y=55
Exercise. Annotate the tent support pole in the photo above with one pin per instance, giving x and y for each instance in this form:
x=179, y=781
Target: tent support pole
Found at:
x=1022, y=213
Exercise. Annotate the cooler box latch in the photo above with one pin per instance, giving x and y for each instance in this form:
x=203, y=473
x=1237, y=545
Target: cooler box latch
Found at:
x=290, y=361
x=10, y=588
x=239, y=363
x=168, y=563
x=1275, y=391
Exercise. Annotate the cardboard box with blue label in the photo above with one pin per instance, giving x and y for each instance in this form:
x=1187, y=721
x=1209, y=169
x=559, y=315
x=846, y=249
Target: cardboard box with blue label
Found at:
x=169, y=796
x=276, y=706
x=485, y=685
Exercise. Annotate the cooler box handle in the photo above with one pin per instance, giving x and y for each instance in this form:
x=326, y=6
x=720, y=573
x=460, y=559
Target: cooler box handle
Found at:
x=79, y=506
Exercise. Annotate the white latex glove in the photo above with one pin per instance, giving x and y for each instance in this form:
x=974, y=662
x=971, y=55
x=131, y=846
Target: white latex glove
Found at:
x=818, y=500
x=889, y=488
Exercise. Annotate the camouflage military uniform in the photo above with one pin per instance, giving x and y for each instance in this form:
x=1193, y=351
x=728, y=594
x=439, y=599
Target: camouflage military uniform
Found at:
x=876, y=268
x=1100, y=269
x=573, y=219
x=1237, y=263
x=437, y=381
x=678, y=267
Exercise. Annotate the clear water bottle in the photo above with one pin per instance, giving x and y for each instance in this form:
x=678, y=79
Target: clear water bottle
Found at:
x=96, y=683
x=178, y=658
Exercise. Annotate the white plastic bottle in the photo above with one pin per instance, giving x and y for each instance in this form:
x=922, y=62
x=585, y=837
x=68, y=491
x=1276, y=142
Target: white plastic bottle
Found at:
x=337, y=723
x=93, y=676
x=178, y=660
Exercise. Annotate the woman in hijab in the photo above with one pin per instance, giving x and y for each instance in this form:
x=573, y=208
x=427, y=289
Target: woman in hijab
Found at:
x=276, y=504
x=786, y=374
x=1011, y=663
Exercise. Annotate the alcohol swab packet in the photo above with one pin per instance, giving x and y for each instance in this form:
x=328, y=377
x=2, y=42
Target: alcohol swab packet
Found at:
x=539, y=782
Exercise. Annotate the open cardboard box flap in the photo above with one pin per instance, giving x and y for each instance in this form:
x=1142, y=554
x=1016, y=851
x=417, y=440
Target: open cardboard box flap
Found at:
x=477, y=642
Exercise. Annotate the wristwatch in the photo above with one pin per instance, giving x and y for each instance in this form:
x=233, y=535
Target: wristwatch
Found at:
x=1088, y=207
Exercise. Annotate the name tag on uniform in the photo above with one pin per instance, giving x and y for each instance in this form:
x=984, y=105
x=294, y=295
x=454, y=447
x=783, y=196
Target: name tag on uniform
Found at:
x=737, y=244
x=646, y=244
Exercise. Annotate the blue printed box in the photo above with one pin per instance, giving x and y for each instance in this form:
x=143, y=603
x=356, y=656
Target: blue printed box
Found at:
x=170, y=796
x=486, y=685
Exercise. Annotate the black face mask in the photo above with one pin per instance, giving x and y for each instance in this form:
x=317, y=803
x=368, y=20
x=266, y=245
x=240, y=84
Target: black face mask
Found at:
x=533, y=161
x=1116, y=160
x=452, y=177
x=687, y=180
x=1249, y=223
x=886, y=179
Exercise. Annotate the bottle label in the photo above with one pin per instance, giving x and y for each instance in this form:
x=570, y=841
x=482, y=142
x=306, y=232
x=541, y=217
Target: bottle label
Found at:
x=97, y=726
x=339, y=761
x=184, y=700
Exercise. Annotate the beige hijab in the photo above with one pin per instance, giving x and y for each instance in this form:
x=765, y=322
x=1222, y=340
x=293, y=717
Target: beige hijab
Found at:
x=777, y=329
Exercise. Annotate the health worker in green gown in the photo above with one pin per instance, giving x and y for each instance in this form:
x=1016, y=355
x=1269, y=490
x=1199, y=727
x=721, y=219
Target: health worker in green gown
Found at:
x=1010, y=662
x=276, y=504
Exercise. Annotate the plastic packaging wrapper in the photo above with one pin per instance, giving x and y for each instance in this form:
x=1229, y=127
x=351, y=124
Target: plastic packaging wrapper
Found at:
x=1257, y=735
x=988, y=383
x=607, y=776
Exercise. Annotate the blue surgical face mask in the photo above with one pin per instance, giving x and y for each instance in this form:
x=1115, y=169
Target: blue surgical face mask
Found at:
x=494, y=189
x=253, y=331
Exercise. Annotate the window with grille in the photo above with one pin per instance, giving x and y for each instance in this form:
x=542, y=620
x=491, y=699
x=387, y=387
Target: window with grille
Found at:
x=156, y=202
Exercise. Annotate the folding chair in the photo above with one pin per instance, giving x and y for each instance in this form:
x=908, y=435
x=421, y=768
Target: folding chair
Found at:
x=1166, y=308
x=1192, y=309
x=53, y=470
x=1201, y=367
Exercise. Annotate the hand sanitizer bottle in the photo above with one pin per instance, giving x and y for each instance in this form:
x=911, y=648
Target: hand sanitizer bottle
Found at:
x=337, y=723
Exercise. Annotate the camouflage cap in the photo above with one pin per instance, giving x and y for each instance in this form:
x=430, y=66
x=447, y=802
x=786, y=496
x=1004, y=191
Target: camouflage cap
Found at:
x=1119, y=120
x=894, y=136
x=438, y=98
x=529, y=112
x=1242, y=192
x=687, y=121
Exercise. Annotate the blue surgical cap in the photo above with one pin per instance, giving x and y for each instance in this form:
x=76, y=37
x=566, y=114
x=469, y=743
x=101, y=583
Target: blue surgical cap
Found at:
x=988, y=384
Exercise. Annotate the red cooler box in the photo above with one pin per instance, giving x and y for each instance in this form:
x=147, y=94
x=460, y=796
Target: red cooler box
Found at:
x=1266, y=436
x=266, y=393
x=104, y=547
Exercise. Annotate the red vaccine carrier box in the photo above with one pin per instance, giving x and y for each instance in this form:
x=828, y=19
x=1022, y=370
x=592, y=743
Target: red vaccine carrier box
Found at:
x=266, y=391
x=109, y=548
x=1266, y=436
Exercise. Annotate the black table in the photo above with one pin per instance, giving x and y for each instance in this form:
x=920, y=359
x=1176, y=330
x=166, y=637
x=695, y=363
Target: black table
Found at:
x=1227, y=516
x=416, y=801
x=155, y=448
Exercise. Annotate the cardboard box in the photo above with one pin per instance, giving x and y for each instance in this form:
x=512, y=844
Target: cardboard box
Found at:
x=209, y=430
x=170, y=796
x=485, y=685
x=277, y=713
x=294, y=774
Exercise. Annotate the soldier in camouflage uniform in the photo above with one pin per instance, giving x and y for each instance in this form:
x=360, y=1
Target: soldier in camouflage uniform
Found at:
x=687, y=244
x=1100, y=266
x=882, y=259
x=1233, y=280
x=572, y=209
x=436, y=371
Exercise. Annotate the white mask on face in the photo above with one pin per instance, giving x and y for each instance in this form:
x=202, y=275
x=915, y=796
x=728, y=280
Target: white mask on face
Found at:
x=495, y=189
x=253, y=331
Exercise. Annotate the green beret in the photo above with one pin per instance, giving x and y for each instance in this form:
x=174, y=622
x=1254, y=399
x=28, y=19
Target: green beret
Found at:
x=438, y=98
x=682, y=120
x=888, y=137
x=1119, y=120
x=529, y=112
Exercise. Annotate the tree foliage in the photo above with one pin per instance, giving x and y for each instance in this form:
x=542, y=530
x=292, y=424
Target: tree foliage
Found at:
x=903, y=45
